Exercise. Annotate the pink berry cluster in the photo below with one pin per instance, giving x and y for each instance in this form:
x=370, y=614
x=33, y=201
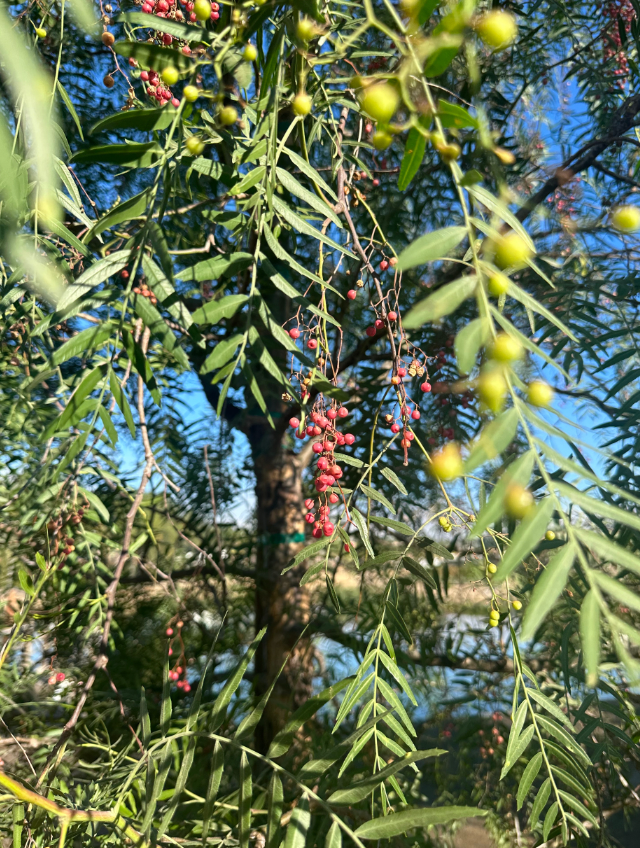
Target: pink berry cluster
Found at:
x=328, y=470
x=378, y=324
x=156, y=89
x=496, y=737
x=616, y=11
x=170, y=9
x=177, y=672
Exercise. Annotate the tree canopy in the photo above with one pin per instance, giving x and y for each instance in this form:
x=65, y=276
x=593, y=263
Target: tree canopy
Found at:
x=319, y=397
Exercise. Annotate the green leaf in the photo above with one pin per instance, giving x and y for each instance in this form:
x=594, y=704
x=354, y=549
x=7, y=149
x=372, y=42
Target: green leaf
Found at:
x=221, y=353
x=213, y=269
x=431, y=247
x=219, y=709
x=160, y=330
x=520, y=746
x=469, y=341
x=310, y=172
x=566, y=740
x=419, y=571
x=69, y=104
x=452, y=115
x=361, y=524
x=152, y=55
x=548, y=589
x=305, y=553
x=539, y=804
x=334, y=837
x=516, y=728
x=244, y=802
x=502, y=211
x=215, y=776
x=278, y=280
x=549, y=820
x=392, y=477
x=331, y=589
x=377, y=496
x=122, y=402
x=362, y=789
x=283, y=740
x=216, y=310
x=313, y=769
x=413, y=155
x=526, y=537
x=397, y=823
x=69, y=416
x=471, y=178
x=96, y=503
x=292, y=185
x=248, y=181
x=493, y=440
x=442, y=302
x=126, y=211
x=304, y=227
x=133, y=155
x=144, y=120
x=349, y=460
x=599, y=507
x=608, y=549
x=140, y=362
x=529, y=775
x=296, y=833
x=398, y=622
x=518, y=472
x=392, y=524
x=590, y=636
x=275, y=798
x=551, y=707
x=26, y=583
x=92, y=337
x=41, y=562
x=93, y=276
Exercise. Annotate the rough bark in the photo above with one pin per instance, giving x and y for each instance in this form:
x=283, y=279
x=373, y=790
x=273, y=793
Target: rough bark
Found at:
x=282, y=605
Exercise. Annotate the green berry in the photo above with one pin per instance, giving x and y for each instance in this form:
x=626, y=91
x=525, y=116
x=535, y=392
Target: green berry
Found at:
x=190, y=93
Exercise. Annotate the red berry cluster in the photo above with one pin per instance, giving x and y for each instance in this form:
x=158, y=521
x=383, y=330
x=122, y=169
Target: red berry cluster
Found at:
x=328, y=470
x=144, y=290
x=58, y=542
x=176, y=674
x=616, y=11
x=170, y=9
x=156, y=89
x=57, y=677
x=496, y=738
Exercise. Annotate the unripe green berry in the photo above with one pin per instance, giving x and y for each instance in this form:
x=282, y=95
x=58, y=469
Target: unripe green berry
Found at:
x=41, y=33
x=498, y=284
x=446, y=464
x=169, y=75
x=492, y=388
x=549, y=535
x=380, y=101
x=306, y=29
x=518, y=501
x=626, y=219
x=381, y=139
x=228, y=115
x=517, y=605
x=511, y=250
x=302, y=104
x=190, y=93
x=492, y=568
x=202, y=10
x=498, y=29
x=250, y=53
x=194, y=145
x=540, y=393
x=506, y=348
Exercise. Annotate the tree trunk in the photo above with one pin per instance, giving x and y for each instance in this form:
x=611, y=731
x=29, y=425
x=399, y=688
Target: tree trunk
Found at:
x=282, y=605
